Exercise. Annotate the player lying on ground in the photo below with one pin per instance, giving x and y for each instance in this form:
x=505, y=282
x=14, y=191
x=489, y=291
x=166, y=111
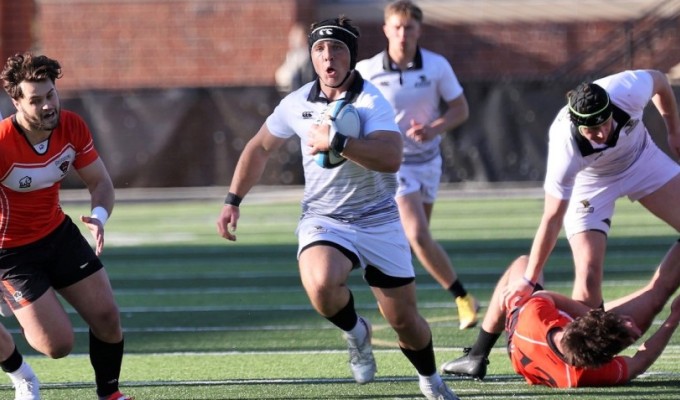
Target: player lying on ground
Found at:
x=556, y=341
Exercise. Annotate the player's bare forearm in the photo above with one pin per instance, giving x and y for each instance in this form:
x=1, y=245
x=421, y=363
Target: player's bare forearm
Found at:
x=652, y=348
x=98, y=182
x=379, y=151
x=248, y=171
x=458, y=112
x=546, y=236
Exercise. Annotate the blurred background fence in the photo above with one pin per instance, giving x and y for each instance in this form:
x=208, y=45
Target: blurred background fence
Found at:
x=173, y=89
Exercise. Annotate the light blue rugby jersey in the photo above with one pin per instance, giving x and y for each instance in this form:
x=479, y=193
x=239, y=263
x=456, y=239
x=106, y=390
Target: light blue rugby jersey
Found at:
x=348, y=193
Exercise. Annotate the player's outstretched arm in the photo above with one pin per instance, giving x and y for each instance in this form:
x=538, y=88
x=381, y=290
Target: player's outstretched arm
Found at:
x=545, y=239
x=249, y=169
x=652, y=348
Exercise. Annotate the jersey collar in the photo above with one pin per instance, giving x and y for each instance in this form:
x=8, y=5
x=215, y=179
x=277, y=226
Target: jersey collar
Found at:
x=620, y=117
x=416, y=64
x=316, y=95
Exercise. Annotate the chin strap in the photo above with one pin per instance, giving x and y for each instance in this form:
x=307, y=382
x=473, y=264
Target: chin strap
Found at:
x=343, y=81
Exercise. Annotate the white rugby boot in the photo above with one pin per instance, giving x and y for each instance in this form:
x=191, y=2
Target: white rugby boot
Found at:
x=361, y=360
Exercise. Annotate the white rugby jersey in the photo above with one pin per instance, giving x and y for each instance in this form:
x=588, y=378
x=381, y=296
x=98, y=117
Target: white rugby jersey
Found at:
x=569, y=153
x=348, y=193
x=415, y=94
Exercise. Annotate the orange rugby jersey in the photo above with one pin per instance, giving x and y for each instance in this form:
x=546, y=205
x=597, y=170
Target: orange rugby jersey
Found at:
x=30, y=181
x=540, y=363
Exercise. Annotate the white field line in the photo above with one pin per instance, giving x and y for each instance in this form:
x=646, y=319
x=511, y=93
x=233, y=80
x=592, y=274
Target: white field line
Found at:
x=489, y=382
x=355, y=288
x=443, y=322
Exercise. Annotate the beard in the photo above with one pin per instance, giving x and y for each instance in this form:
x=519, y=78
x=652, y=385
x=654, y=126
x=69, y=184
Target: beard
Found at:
x=43, y=121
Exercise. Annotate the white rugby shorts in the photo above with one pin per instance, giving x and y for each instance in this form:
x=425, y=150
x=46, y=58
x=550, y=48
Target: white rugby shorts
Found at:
x=423, y=178
x=593, y=198
x=384, y=247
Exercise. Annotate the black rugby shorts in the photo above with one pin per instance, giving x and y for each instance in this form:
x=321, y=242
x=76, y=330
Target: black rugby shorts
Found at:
x=60, y=259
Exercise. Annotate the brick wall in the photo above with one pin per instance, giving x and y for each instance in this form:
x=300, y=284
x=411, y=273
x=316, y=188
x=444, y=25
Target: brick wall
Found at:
x=115, y=44
x=16, y=22
x=492, y=51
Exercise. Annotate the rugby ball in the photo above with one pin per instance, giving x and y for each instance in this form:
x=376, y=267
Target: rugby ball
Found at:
x=342, y=117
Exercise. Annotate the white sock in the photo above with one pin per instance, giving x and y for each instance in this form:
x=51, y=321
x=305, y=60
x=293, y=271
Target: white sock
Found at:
x=431, y=381
x=24, y=372
x=359, y=331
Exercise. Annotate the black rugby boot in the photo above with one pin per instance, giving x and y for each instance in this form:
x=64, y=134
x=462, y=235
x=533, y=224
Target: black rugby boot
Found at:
x=467, y=365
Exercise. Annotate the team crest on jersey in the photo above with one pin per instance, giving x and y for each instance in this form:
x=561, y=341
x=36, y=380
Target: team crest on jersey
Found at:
x=423, y=81
x=307, y=114
x=25, y=182
x=586, y=207
x=63, y=165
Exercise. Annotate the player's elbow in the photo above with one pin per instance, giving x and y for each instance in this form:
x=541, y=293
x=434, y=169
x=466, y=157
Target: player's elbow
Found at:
x=637, y=366
x=393, y=160
x=392, y=166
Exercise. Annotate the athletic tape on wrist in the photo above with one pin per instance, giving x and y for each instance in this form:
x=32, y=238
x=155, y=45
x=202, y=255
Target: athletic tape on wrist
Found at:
x=101, y=214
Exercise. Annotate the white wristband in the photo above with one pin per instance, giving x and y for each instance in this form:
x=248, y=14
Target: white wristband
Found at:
x=101, y=214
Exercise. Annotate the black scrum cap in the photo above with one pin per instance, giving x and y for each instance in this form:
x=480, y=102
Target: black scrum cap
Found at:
x=337, y=29
x=589, y=105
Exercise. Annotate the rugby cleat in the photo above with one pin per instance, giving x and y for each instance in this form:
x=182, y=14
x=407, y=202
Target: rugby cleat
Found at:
x=117, y=396
x=467, y=365
x=27, y=389
x=361, y=360
x=439, y=392
x=467, y=311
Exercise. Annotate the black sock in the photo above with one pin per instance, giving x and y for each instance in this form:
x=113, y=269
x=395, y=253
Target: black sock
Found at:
x=457, y=289
x=347, y=318
x=484, y=344
x=106, y=360
x=13, y=362
x=423, y=359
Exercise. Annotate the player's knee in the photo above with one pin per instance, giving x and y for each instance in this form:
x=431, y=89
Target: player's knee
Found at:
x=107, y=325
x=402, y=321
x=58, y=348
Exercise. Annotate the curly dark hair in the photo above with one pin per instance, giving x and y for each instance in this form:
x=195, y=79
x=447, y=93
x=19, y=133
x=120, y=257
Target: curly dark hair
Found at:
x=28, y=67
x=594, y=339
